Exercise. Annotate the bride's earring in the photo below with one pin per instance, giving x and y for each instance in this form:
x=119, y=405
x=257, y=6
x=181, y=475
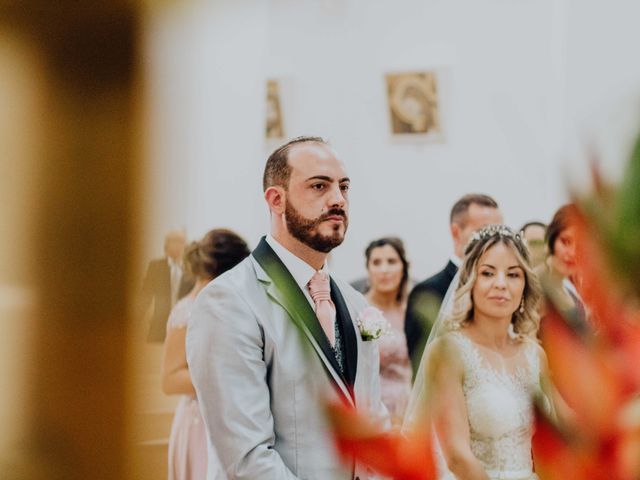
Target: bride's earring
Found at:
x=522, y=305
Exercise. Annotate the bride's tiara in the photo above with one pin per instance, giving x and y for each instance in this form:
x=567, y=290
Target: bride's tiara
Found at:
x=492, y=231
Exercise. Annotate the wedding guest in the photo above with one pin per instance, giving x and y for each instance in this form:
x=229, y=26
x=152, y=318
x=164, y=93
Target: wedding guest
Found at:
x=164, y=284
x=388, y=271
x=216, y=253
x=468, y=214
x=534, y=233
x=559, y=271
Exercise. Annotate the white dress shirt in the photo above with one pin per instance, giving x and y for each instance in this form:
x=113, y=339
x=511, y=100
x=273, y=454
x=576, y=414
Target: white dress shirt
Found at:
x=300, y=270
x=175, y=270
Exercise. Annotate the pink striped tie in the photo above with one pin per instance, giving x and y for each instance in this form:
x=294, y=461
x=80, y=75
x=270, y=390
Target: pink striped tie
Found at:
x=320, y=291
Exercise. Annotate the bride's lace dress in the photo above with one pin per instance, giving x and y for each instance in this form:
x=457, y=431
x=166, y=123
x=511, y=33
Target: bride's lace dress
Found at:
x=498, y=393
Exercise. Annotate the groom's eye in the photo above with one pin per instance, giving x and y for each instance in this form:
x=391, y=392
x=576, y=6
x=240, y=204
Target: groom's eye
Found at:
x=317, y=186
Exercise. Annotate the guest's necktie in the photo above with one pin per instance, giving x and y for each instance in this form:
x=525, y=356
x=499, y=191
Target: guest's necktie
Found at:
x=320, y=291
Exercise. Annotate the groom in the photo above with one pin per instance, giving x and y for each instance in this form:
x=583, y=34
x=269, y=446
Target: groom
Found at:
x=275, y=338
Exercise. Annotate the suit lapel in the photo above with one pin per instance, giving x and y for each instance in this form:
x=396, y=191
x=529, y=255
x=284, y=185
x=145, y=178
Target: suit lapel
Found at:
x=284, y=290
x=451, y=270
x=348, y=334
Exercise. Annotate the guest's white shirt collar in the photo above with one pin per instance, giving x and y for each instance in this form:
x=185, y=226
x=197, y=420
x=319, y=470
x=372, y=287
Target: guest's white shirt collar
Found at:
x=300, y=270
x=173, y=264
x=455, y=260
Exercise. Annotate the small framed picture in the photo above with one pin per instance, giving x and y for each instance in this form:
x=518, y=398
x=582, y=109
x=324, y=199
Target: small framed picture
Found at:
x=274, y=124
x=414, y=106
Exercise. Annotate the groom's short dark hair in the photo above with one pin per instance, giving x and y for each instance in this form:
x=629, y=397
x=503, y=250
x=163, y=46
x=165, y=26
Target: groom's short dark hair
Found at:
x=277, y=171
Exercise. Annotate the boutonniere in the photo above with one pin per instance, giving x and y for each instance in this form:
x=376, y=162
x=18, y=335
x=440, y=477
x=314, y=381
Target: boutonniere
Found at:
x=372, y=324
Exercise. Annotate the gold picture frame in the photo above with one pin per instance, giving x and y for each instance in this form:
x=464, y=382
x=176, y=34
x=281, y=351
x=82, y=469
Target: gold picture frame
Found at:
x=414, y=106
x=274, y=124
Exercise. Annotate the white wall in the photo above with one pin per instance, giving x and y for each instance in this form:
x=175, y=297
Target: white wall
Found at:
x=603, y=79
x=204, y=68
x=524, y=84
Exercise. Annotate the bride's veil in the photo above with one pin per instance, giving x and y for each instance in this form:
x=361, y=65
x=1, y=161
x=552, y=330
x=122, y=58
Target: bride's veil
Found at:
x=417, y=400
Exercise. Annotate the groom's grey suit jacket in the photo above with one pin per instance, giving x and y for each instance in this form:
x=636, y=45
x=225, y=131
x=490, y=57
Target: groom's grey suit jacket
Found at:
x=263, y=371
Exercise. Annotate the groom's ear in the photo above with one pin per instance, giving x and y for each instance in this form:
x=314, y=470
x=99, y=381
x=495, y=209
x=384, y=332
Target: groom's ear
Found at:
x=275, y=197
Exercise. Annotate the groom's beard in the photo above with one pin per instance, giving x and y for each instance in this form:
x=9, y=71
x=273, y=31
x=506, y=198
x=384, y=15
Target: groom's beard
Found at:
x=306, y=230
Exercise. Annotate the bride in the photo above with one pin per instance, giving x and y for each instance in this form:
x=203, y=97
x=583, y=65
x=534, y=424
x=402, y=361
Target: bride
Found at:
x=483, y=366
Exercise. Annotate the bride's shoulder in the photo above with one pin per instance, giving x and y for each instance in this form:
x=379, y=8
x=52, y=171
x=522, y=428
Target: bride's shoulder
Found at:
x=444, y=358
x=447, y=344
x=534, y=351
x=455, y=337
x=446, y=338
x=532, y=344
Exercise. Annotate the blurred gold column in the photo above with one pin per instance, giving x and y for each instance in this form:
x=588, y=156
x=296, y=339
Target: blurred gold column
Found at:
x=79, y=63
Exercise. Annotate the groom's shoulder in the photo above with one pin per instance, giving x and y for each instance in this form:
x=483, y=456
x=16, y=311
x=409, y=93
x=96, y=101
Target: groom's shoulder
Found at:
x=235, y=279
x=231, y=291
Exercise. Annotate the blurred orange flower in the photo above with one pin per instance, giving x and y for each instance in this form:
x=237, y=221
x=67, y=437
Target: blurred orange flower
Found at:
x=599, y=374
x=391, y=454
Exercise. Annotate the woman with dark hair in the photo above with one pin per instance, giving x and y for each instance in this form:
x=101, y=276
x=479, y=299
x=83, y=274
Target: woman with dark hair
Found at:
x=219, y=251
x=388, y=271
x=559, y=271
x=560, y=238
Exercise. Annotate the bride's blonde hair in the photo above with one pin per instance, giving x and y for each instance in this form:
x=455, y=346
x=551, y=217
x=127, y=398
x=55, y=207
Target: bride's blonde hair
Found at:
x=525, y=324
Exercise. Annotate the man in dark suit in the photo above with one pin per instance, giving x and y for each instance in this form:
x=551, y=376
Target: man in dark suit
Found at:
x=470, y=213
x=164, y=284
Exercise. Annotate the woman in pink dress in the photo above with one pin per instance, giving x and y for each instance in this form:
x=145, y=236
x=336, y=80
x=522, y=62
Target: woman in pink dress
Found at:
x=388, y=271
x=216, y=253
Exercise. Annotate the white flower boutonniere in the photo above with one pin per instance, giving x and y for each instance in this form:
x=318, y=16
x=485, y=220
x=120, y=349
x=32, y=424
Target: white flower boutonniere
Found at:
x=372, y=324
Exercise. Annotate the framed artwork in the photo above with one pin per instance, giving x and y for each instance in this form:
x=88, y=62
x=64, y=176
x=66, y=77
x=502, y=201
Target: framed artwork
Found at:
x=414, y=106
x=274, y=125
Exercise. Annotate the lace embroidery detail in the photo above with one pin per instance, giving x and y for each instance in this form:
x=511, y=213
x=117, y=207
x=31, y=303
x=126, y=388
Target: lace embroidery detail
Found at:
x=499, y=408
